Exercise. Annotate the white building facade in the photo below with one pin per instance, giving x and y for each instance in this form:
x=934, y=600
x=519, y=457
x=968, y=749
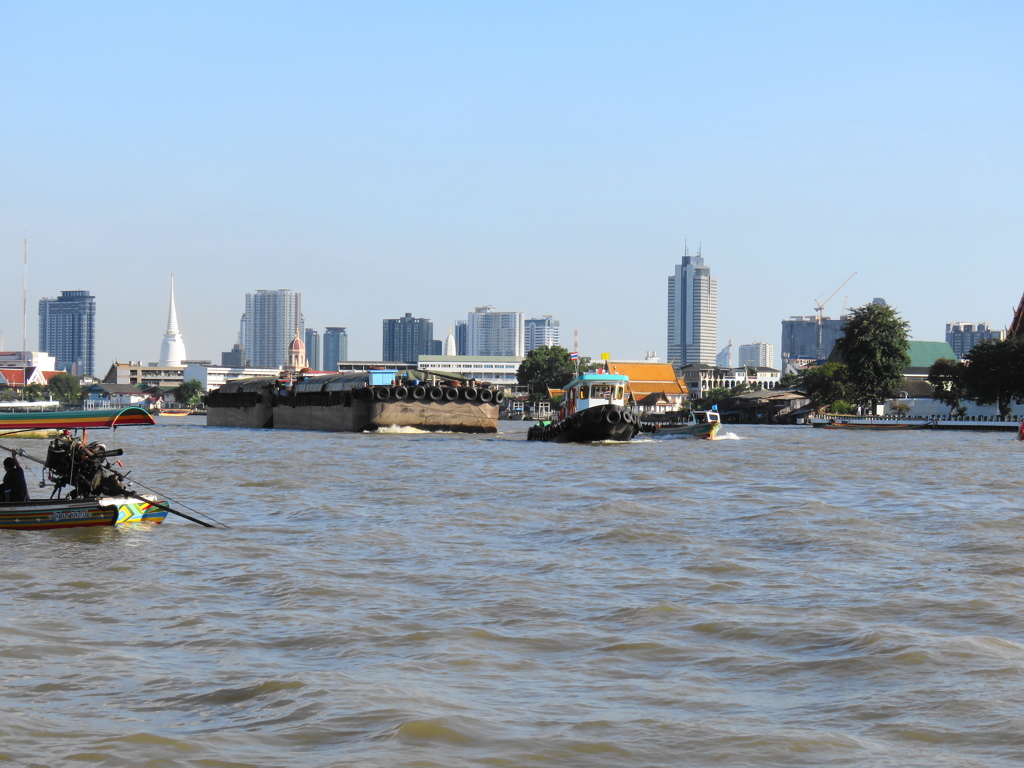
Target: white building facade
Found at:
x=757, y=354
x=490, y=333
x=540, y=332
x=497, y=370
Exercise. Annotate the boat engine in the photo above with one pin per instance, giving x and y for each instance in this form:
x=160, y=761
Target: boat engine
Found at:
x=82, y=468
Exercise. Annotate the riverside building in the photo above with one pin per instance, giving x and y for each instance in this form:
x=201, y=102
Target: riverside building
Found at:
x=490, y=334
x=962, y=337
x=406, y=338
x=335, y=347
x=540, y=332
x=67, y=330
x=272, y=319
x=692, y=313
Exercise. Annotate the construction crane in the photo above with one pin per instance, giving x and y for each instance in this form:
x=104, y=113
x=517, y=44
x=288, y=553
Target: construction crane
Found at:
x=819, y=307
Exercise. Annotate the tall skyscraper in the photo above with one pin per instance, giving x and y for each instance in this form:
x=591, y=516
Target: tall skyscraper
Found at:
x=335, y=347
x=692, y=312
x=406, y=338
x=757, y=355
x=963, y=336
x=313, y=349
x=272, y=318
x=494, y=333
x=67, y=330
x=540, y=332
x=172, y=349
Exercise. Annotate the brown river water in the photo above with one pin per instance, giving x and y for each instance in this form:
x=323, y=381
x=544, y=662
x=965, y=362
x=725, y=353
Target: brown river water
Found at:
x=784, y=596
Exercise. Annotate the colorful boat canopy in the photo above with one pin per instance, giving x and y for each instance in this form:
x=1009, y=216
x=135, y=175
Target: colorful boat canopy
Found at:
x=116, y=417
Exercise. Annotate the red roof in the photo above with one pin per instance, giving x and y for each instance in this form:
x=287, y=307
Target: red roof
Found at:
x=14, y=377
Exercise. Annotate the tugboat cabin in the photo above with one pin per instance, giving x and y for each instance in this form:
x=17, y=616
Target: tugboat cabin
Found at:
x=589, y=390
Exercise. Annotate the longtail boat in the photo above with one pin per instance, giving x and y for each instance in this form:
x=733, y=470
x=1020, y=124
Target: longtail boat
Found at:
x=701, y=424
x=85, y=489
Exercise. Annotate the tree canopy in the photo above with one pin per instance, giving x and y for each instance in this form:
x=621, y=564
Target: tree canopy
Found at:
x=826, y=385
x=189, y=393
x=874, y=348
x=945, y=376
x=65, y=388
x=993, y=373
x=548, y=367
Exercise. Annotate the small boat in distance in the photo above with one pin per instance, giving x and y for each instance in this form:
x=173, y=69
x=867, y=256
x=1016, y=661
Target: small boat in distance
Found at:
x=174, y=412
x=702, y=424
x=594, y=409
x=86, y=490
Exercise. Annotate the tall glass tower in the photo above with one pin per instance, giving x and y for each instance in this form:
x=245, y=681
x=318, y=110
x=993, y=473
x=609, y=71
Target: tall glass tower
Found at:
x=406, y=338
x=335, y=347
x=67, y=330
x=692, y=313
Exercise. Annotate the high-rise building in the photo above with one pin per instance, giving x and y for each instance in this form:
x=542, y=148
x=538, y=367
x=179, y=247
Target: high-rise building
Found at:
x=461, y=337
x=540, y=332
x=67, y=330
x=757, y=355
x=810, y=337
x=406, y=338
x=963, y=336
x=313, y=349
x=172, y=349
x=335, y=347
x=272, y=318
x=494, y=333
x=233, y=359
x=724, y=357
x=692, y=313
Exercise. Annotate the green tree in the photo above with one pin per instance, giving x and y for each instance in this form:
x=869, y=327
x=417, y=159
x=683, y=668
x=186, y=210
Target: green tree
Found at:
x=993, y=372
x=189, y=393
x=548, y=367
x=825, y=384
x=65, y=388
x=874, y=348
x=899, y=408
x=946, y=376
x=35, y=392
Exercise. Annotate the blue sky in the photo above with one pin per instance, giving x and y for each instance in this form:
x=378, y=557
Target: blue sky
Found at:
x=550, y=158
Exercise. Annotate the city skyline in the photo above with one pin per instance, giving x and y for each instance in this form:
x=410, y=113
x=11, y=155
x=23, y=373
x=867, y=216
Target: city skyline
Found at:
x=800, y=144
x=789, y=347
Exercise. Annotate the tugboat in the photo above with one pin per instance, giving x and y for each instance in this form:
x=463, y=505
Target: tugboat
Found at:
x=594, y=409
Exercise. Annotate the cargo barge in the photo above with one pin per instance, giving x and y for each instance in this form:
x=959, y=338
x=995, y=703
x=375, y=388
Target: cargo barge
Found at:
x=362, y=401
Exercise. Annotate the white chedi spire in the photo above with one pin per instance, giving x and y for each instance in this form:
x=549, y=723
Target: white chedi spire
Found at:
x=449, y=344
x=172, y=351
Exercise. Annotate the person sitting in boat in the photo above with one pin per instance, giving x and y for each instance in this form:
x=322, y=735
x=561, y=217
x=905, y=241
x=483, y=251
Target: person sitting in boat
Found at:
x=14, y=487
